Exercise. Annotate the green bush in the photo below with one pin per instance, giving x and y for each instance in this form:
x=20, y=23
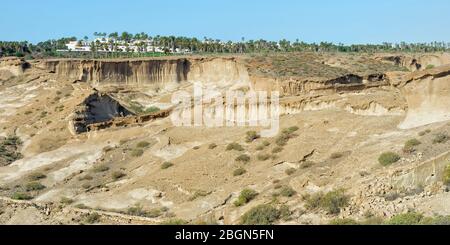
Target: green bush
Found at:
x=410, y=218
x=152, y=109
x=307, y=164
x=332, y=202
x=265, y=143
x=85, y=177
x=34, y=186
x=287, y=191
x=263, y=157
x=387, y=158
x=290, y=171
x=440, y=138
x=447, y=175
x=336, y=155
x=117, y=175
x=285, y=212
x=86, y=186
x=251, y=136
x=263, y=214
x=174, y=222
x=21, y=196
x=438, y=220
x=37, y=176
x=137, y=152
x=410, y=145
x=282, y=140
x=166, y=165
x=101, y=168
x=243, y=158
x=139, y=211
x=239, y=171
x=234, y=146
x=245, y=197
x=422, y=133
x=197, y=194
x=65, y=200
x=92, y=218
x=143, y=144
x=277, y=149
x=430, y=66
x=344, y=221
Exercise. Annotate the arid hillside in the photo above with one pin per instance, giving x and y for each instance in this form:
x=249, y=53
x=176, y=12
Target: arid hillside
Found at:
x=362, y=138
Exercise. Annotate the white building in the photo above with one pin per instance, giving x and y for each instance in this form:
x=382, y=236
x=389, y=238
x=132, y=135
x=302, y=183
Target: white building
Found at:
x=79, y=46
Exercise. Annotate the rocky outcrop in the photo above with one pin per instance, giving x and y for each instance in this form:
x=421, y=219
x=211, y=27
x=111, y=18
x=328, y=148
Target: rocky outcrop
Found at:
x=97, y=108
x=11, y=67
x=416, y=62
x=427, y=94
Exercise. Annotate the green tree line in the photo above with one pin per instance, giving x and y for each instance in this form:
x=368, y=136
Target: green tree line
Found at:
x=207, y=45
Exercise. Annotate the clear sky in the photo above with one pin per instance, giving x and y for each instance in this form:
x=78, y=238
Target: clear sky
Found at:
x=347, y=21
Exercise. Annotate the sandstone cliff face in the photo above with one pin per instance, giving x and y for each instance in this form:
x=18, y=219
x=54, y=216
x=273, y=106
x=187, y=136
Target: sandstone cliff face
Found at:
x=133, y=73
x=11, y=67
x=428, y=96
x=148, y=72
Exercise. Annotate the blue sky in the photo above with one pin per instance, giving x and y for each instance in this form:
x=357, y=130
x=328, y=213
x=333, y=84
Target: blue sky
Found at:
x=347, y=21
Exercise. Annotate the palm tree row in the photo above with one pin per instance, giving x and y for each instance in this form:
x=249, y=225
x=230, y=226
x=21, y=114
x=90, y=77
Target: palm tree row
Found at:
x=208, y=45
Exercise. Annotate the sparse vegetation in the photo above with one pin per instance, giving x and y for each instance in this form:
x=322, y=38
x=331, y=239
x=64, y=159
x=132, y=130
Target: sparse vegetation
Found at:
x=239, y=171
x=263, y=156
x=166, y=165
x=410, y=145
x=336, y=155
x=287, y=191
x=332, y=202
x=137, y=152
x=447, y=175
x=21, y=196
x=139, y=211
x=388, y=158
x=212, y=146
x=117, y=175
x=344, y=221
x=263, y=214
x=101, y=168
x=440, y=138
x=245, y=197
x=175, y=222
x=198, y=193
x=306, y=164
x=143, y=144
x=34, y=186
x=66, y=200
x=285, y=135
x=86, y=186
x=285, y=212
x=277, y=149
x=410, y=218
x=290, y=171
x=430, y=66
x=251, y=136
x=85, y=177
x=91, y=218
x=36, y=176
x=234, y=146
x=152, y=109
x=9, y=150
x=422, y=133
x=243, y=158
